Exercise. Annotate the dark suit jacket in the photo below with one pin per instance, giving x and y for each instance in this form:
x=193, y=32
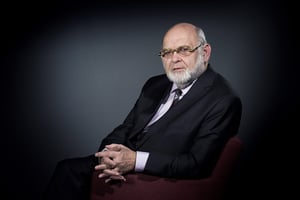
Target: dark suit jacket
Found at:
x=187, y=140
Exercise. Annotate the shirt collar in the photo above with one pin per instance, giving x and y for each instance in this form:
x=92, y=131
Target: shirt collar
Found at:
x=184, y=90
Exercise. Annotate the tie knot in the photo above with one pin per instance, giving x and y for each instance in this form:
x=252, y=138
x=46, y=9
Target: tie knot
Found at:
x=177, y=95
x=178, y=92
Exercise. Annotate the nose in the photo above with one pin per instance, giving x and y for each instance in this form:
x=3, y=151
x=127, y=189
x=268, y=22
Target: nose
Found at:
x=175, y=57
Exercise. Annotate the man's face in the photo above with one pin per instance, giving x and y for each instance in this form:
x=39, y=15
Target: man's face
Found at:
x=182, y=60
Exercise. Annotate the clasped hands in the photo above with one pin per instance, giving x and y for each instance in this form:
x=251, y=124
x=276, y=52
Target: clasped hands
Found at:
x=115, y=161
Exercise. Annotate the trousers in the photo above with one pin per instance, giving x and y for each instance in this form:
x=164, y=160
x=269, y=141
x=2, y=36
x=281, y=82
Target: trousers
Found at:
x=71, y=179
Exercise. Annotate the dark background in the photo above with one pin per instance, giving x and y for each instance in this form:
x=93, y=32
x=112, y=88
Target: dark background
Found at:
x=71, y=71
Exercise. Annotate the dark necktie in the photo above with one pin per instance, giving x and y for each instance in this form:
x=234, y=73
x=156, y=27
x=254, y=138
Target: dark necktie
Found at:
x=177, y=95
x=139, y=136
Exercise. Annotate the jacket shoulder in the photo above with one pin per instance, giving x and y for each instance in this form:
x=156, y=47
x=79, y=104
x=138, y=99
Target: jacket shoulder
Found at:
x=157, y=81
x=224, y=86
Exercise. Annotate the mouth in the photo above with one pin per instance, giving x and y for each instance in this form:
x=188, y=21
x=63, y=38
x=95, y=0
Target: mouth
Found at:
x=178, y=69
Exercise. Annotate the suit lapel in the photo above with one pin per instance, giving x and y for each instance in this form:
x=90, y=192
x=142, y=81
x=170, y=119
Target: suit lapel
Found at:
x=198, y=90
x=154, y=99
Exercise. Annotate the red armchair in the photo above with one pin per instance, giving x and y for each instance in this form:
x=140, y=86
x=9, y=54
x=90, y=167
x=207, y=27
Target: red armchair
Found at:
x=146, y=187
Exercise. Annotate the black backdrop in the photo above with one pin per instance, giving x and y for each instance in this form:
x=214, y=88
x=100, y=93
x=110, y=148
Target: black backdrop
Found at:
x=67, y=66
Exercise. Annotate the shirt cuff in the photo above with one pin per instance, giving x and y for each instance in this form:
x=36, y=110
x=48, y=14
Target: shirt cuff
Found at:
x=141, y=160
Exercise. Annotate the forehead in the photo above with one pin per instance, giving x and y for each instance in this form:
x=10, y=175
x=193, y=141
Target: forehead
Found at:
x=181, y=35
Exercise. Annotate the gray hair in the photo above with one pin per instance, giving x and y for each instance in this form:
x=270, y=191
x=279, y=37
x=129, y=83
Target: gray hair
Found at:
x=201, y=35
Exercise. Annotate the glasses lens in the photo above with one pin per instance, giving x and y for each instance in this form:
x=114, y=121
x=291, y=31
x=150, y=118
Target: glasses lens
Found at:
x=184, y=50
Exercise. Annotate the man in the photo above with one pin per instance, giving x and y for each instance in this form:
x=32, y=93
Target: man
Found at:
x=157, y=137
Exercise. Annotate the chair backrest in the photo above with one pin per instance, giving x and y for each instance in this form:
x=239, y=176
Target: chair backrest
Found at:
x=146, y=187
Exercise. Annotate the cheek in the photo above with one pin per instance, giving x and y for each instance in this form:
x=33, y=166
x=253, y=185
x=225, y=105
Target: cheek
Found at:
x=166, y=65
x=191, y=64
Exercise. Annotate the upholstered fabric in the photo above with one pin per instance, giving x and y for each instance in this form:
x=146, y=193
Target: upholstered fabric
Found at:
x=146, y=187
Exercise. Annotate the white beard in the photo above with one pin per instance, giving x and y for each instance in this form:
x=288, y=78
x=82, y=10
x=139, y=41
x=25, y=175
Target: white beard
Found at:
x=184, y=78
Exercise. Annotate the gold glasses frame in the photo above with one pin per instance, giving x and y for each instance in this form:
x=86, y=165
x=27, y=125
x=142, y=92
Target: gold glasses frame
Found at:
x=184, y=50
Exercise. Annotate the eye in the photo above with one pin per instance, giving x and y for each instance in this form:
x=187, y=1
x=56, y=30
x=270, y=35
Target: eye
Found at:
x=165, y=52
x=183, y=49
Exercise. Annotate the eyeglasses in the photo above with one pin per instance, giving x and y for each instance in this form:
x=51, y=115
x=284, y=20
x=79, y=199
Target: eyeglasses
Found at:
x=182, y=50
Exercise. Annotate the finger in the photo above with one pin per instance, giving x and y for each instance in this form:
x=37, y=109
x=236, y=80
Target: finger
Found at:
x=111, y=172
x=121, y=178
x=114, y=147
x=109, y=162
x=101, y=167
x=107, y=180
x=104, y=154
x=105, y=165
x=102, y=175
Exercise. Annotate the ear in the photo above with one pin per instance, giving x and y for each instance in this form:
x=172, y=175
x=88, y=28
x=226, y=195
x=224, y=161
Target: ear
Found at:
x=206, y=51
